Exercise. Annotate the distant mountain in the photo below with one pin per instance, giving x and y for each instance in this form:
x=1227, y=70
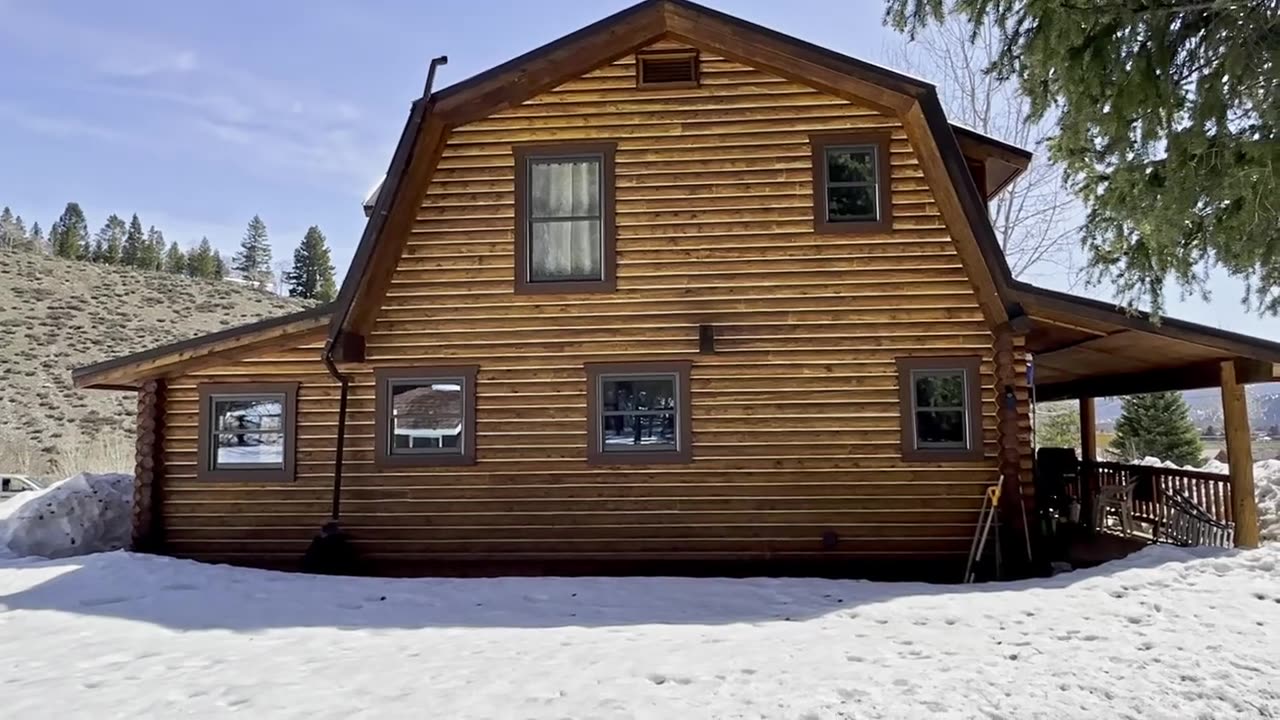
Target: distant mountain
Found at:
x=1206, y=407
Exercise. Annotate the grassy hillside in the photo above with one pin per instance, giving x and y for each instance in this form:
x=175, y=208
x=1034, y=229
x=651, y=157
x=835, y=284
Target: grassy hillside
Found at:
x=56, y=315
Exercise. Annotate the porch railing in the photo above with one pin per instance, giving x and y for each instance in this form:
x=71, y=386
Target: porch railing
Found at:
x=1210, y=491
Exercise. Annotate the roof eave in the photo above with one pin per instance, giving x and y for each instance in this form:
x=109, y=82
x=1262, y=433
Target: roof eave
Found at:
x=107, y=375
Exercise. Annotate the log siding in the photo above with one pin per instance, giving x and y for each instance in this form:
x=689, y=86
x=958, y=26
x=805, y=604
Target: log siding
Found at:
x=795, y=413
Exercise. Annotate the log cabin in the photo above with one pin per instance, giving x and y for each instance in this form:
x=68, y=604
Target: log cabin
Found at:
x=675, y=293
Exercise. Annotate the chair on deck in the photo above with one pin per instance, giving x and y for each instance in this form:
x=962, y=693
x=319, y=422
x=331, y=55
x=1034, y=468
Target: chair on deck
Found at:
x=1118, y=498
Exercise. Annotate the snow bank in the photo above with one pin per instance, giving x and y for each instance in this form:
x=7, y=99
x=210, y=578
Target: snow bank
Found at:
x=86, y=513
x=1266, y=484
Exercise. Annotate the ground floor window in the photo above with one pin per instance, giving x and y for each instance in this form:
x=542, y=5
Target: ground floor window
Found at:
x=426, y=415
x=247, y=431
x=638, y=413
x=941, y=408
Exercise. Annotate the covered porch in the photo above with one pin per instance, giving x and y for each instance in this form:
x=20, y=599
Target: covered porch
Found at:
x=1082, y=350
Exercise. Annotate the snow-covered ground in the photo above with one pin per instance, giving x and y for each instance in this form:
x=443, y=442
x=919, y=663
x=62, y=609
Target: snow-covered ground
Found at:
x=1165, y=633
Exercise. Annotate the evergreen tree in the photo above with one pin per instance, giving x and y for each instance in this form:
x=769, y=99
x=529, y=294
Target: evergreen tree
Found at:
x=1157, y=425
x=153, y=248
x=1210, y=431
x=108, y=244
x=133, y=251
x=9, y=237
x=219, y=266
x=174, y=260
x=1168, y=128
x=200, y=262
x=13, y=231
x=69, y=236
x=21, y=241
x=253, y=261
x=1057, y=425
x=35, y=240
x=312, y=274
x=1274, y=431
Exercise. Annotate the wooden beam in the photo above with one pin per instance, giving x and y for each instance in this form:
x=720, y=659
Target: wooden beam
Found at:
x=1235, y=414
x=148, y=471
x=1186, y=377
x=1088, y=430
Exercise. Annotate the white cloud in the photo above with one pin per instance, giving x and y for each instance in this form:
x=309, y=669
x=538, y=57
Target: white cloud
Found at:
x=135, y=65
x=61, y=126
x=265, y=125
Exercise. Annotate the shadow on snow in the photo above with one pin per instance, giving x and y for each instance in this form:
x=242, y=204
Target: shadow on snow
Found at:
x=186, y=595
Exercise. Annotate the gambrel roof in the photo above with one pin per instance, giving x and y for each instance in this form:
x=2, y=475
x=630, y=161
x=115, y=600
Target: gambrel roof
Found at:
x=914, y=101
x=1081, y=344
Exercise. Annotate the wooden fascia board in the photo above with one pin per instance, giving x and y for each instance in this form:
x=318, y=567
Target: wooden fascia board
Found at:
x=197, y=353
x=790, y=58
x=1037, y=299
x=357, y=272
x=542, y=69
x=975, y=144
x=961, y=205
x=389, y=243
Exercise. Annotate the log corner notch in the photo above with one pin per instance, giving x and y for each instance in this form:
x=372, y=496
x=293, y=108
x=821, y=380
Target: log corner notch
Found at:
x=1235, y=416
x=1013, y=430
x=148, y=468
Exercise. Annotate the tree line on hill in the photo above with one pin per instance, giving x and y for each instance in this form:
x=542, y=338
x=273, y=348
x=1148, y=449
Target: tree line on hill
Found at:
x=126, y=244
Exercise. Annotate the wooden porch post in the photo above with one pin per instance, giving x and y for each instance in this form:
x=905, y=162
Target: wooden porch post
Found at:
x=148, y=467
x=1235, y=414
x=1088, y=431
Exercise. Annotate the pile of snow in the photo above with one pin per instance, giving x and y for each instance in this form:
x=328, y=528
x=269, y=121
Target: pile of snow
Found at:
x=1266, y=484
x=86, y=513
x=1164, y=633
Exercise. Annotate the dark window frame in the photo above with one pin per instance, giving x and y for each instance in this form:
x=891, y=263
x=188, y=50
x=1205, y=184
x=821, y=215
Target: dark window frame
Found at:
x=691, y=56
x=608, y=220
x=683, y=453
x=820, y=143
x=206, y=472
x=971, y=367
x=383, y=377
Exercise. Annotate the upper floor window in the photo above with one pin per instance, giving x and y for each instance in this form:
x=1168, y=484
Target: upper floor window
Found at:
x=425, y=416
x=851, y=183
x=941, y=408
x=564, y=218
x=247, y=431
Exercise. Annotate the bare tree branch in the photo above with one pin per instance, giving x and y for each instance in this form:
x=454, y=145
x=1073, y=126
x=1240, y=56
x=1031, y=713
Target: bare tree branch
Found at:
x=1036, y=218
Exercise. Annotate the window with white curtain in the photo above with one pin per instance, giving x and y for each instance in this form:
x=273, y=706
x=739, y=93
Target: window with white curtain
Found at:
x=565, y=226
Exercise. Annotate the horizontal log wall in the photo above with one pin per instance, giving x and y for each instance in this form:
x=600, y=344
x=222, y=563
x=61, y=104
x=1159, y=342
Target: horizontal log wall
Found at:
x=795, y=416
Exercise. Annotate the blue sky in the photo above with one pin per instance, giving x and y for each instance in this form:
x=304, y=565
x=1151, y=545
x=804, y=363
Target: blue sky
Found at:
x=199, y=115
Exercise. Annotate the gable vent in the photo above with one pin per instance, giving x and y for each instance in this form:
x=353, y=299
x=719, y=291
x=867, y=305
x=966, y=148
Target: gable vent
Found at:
x=667, y=69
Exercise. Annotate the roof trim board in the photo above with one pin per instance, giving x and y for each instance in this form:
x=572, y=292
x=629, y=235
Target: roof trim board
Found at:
x=127, y=372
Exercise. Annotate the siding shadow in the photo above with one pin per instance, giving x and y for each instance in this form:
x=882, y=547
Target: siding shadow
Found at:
x=186, y=595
